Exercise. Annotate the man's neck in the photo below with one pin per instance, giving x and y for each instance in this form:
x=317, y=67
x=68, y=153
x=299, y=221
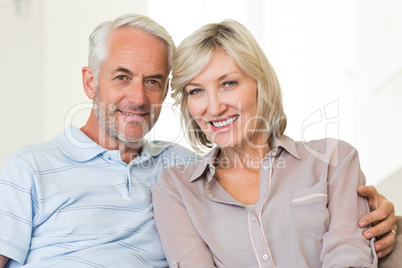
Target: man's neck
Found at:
x=128, y=150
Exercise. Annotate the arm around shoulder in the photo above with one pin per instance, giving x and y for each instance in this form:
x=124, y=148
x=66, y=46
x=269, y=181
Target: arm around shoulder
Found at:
x=344, y=243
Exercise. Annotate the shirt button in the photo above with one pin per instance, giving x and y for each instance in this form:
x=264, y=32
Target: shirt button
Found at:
x=266, y=167
x=253, y=218
x=273, y=153
x=265, y=257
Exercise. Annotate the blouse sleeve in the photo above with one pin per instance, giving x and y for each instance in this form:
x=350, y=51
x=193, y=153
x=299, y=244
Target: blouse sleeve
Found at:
x=182, y=244
x=344, y=244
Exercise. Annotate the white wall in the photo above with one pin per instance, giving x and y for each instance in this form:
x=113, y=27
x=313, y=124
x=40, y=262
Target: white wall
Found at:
x=21, y=76
x=379, y=94
x=378, y=80
x=349, y=52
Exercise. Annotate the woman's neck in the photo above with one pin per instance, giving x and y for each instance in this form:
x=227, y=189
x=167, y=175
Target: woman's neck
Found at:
x=243, y=157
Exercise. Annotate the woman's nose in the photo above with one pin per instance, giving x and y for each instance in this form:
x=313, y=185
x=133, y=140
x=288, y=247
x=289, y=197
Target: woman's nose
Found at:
x=216, y=105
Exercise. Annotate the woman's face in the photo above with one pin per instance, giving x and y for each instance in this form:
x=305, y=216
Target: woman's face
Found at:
x=223, y=101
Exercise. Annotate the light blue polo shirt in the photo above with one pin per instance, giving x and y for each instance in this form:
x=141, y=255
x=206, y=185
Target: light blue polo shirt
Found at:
x=70, y=203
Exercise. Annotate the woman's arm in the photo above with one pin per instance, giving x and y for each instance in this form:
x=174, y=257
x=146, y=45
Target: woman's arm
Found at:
x=182, y=244
x=344, y=244
x=382, y=218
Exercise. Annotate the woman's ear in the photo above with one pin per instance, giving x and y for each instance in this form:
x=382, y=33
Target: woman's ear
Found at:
x=89, y=83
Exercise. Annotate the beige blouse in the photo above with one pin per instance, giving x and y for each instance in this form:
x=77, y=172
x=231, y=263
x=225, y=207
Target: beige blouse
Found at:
x=306, y=215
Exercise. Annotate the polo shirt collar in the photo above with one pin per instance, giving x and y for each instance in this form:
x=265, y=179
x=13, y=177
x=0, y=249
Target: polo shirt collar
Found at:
x=154, y=148
x=207, y=161
x=76, y=145
x=79, y=147
x=150, y=149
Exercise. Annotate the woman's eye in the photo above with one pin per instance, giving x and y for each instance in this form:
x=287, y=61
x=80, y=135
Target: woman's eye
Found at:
x=230, y=83
x=195, y=91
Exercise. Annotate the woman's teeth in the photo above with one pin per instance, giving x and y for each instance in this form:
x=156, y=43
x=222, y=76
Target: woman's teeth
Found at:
x=225, y=123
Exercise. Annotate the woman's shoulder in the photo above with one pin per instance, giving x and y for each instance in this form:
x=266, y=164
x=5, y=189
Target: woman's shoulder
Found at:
x=183, y=170
x=325, y=144
x=184, y=175
x=327, y=150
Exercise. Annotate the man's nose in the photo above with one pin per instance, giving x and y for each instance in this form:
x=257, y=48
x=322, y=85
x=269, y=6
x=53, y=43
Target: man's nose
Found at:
x=137, y=94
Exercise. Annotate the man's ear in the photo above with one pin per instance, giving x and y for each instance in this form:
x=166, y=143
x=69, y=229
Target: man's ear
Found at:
x=89, y=83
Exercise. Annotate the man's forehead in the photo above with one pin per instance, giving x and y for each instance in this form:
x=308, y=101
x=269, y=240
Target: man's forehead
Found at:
x=126, y=36
x=133, y=48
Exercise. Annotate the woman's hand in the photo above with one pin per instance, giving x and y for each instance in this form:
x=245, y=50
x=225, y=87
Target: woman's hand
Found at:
x=383, y=220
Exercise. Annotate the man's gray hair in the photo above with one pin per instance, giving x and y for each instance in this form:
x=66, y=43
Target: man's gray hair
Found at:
x=98, y=40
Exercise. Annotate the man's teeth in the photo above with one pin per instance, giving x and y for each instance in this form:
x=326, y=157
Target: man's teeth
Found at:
x=226, y=122
x=129, y=114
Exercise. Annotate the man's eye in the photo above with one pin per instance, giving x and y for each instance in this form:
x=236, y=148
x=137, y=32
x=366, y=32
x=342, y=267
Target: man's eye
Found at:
x=122, y=77
x=153, y=82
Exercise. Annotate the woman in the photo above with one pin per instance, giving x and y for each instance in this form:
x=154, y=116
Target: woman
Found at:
x=258, y=199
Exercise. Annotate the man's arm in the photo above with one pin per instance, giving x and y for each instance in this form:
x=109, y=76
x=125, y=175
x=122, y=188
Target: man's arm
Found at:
x=3, y=261
x=382, y=217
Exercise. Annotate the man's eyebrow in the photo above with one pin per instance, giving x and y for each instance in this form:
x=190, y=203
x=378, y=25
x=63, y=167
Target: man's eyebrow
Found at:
x=127, y=71
x=124, y=70
x=157, y=76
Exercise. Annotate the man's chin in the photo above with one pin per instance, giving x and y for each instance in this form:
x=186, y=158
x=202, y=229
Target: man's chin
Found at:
x=131, y=138
x=126, y=135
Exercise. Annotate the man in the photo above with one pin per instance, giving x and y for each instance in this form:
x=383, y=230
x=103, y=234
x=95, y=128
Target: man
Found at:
x=83, y=198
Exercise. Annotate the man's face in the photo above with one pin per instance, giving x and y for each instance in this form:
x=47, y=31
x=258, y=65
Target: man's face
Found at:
x=132, y=85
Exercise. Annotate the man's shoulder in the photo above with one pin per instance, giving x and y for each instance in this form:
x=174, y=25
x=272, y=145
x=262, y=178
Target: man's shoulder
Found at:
x=31, y=157
x=34, y=150
x=46, y=153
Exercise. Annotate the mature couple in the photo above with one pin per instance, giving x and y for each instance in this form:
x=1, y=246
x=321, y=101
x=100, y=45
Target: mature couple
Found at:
x=64, y=204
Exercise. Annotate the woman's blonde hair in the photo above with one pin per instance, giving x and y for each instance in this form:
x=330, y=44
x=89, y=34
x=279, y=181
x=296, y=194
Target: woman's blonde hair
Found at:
x=196, y=51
